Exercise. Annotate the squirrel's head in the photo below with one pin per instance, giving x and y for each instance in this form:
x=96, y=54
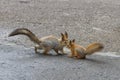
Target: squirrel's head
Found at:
x=64, y=39
x=71, y=43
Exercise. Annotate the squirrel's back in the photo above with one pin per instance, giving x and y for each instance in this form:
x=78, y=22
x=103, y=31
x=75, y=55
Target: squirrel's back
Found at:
x=50, y=41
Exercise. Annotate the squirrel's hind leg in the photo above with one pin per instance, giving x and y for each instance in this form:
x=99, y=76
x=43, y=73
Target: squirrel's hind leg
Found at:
x=46, y=50
x=36, y=48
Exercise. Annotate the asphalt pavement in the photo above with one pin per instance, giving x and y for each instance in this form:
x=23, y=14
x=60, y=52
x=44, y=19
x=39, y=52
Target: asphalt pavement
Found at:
x=86, y=21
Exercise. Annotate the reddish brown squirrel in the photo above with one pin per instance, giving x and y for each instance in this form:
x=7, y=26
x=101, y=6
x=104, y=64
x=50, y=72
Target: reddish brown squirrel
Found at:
x=81, y=52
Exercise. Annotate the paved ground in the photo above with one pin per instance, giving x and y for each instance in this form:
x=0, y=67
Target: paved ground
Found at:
x=85, y=20
x=20, y=63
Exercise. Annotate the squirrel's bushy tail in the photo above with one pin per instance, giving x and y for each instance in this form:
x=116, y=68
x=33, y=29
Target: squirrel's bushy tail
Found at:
x=25, y=31
x=94, y=47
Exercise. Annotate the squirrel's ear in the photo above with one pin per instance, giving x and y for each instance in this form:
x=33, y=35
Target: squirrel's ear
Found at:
x=66, y=34
x=73, y=40
x=62, y=36
x=70, y=42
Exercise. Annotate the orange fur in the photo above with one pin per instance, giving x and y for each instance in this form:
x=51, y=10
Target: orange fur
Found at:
x=81, y=52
